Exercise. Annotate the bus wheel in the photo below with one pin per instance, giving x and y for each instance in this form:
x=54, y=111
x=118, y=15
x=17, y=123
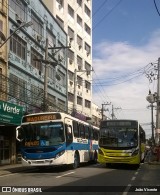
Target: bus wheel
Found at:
x=76, y=161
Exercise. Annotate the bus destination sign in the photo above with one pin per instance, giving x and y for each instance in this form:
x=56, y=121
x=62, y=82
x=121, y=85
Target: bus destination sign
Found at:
x=41, y=117
x=113, y=123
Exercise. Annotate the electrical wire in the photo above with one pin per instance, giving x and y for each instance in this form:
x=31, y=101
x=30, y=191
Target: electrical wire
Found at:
x=156, y=7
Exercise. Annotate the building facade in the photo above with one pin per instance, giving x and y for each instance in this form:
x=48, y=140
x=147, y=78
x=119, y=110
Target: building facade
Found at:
x=34, y=63
x=75, y=18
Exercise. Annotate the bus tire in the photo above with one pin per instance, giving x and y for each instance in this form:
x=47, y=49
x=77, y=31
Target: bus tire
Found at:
x=76, y=161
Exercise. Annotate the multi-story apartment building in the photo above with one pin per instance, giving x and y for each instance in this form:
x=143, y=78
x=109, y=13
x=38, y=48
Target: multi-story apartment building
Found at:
x=3, y=49
x=32, y=32
x=74, y=16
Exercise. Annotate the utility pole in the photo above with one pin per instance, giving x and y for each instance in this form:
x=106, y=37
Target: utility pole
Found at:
x=47, y=62
x=105, y=104
x=113, y=115
x=75, y=91
x=151, y=99
x=46, y=76
x=158, y=104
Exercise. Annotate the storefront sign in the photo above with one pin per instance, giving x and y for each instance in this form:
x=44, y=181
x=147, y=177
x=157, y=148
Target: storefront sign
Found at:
x=10, y=113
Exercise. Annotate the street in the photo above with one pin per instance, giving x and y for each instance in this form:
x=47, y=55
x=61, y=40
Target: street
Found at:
x=89, y=178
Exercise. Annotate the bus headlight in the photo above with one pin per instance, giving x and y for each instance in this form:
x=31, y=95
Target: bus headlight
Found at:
x=100, y=151
x=59, y=154
x=135, y=152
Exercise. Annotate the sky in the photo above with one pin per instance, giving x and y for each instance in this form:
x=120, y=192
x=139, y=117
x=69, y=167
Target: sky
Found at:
x=126, y=48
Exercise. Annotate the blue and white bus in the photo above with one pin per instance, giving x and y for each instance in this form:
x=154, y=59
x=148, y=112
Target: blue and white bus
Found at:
x=54, y=138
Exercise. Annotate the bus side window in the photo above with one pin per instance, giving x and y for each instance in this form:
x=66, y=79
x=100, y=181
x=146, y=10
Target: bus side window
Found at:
x=69, y=136
x=86, y=132
x=81, y=127
x=92, y=133
x=75, y=129
x=95, y=134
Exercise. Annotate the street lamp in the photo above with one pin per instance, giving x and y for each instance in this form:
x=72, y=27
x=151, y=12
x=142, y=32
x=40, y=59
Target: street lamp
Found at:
x=151, y=99
x=23, y=24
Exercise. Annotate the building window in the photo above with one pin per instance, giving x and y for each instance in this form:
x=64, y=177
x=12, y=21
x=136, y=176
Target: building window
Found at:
x=51, y=39
x=37, y=24
x=79, y=2
x=87, y=85
x=70, y=54
x=87, y=104
x=70, y=97
x=52, y=101
x=87, y=29
x=79, y=62
x=1, y=80
x=61, y=104
x=51, y=72
x=79, y=41
x=87, y=11
x=88, y=68
x=60, y=2
x=17, y=88
x=79, y=80
x=79, y=20
x=36, y=96
x=60, y=21
x=70, y=33
x=87, y=48
x=70, y=75
x=19, y=7
x=37, y=64
x=18, y=46
x=70, y=11
x=79, y=100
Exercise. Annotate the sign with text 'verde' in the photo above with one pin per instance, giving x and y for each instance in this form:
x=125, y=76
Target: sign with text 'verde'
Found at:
x=10, y=113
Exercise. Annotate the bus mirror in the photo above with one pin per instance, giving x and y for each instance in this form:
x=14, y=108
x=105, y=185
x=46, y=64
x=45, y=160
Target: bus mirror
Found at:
x=69, y=134
x=69, y=130
x=19, y=133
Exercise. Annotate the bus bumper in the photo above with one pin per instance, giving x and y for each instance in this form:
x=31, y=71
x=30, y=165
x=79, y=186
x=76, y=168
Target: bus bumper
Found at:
x=124, y=160
x=44, y=162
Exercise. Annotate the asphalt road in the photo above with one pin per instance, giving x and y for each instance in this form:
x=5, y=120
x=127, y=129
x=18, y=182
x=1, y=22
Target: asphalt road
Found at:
x=88, y=179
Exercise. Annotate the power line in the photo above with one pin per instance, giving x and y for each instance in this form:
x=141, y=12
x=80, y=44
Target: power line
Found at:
x=156, y=7
x=107, y=14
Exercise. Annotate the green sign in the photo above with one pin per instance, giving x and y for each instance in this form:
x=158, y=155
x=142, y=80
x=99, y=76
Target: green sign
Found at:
x=10, y=113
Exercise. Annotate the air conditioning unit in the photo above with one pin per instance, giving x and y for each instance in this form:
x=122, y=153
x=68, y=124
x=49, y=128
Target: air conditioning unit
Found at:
x=80, y=46
x=71, y=82
x=70, y=61
x=79, y=67
x=87, y=53
x=59, y=6
x=39, y=38
x=60, y=58
x=18, y=19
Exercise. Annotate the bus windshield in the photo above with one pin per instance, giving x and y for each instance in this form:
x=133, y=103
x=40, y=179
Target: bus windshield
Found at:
x=43, y=134
x=118, y=137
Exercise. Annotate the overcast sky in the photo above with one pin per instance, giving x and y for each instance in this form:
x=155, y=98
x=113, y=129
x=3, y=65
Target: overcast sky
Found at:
x=126, y=48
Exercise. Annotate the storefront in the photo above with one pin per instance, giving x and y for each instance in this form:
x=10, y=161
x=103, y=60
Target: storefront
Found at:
x=10, y=118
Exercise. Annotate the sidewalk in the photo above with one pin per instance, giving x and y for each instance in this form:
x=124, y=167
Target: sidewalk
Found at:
x=15, y=168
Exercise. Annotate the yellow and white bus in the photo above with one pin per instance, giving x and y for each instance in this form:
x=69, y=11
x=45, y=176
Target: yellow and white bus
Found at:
x=55, y=138
x=121, y=141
